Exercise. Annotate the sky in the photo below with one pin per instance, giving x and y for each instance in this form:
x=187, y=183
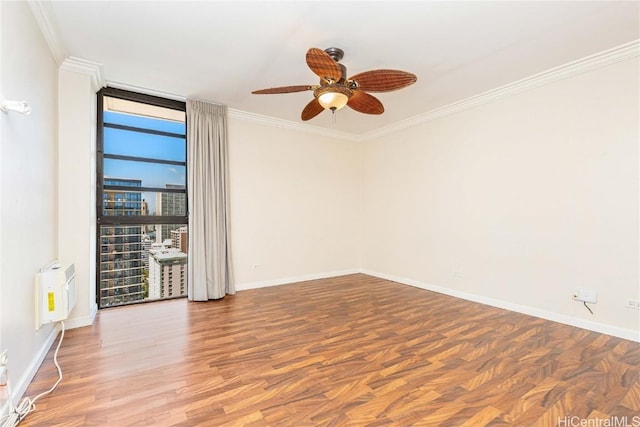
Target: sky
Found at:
x=129, y=143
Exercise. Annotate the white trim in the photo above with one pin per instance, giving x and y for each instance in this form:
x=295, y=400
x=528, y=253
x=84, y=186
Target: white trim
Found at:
x=580, y=66
x=616, y=331
x=79, y=322
x=295, y=279
x=41, y=11
x=18, y=390
x=82, y=66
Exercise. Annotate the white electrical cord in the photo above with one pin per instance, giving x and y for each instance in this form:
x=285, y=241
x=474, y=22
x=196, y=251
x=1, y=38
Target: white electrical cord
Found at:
x=28, y=405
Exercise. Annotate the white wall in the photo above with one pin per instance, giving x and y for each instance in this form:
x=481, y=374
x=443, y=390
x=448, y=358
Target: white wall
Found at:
x=77, y=85
x=517, y=202
x=28, y=199
x=295, y=204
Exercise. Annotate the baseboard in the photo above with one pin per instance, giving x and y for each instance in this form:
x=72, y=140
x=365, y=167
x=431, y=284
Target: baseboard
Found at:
x=79, y=322
x=294, y=279
x=20, y=387
x=615, y=331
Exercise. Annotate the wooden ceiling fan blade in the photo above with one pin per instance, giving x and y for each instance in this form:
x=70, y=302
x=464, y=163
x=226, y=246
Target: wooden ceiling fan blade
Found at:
x=383, y=80
x=282, y=89
x=365, y=103
x=311, y=110
x=323, y=65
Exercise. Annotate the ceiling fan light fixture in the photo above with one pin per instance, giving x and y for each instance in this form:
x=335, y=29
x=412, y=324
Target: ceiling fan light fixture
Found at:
x=333, y=97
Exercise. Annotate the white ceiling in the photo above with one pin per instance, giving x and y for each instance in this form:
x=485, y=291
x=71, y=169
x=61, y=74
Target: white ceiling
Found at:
x=221, y=51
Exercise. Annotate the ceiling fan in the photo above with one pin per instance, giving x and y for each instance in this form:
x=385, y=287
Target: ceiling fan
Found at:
x=336, y=90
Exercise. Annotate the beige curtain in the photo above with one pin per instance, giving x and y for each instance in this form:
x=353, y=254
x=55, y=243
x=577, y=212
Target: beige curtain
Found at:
x=210, y=273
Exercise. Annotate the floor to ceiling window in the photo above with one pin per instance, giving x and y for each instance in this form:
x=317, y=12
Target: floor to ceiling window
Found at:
x=141, y=198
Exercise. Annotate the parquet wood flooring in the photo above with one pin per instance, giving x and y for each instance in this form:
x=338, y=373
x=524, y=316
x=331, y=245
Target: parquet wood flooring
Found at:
x=347, y=351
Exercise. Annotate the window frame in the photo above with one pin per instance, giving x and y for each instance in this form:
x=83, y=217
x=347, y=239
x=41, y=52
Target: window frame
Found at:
x=132, y=220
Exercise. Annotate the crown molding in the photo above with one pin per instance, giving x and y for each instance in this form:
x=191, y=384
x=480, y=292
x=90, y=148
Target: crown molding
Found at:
x=42, y=13
x=83, y=66
x=580, y=66
x=287, y=124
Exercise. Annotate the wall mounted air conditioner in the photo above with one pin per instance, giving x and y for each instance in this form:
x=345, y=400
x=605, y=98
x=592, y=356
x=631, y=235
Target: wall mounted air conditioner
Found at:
x=55, y=292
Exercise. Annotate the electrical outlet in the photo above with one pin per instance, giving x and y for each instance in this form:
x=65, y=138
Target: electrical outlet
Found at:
x=585, y=296
x=633, y=303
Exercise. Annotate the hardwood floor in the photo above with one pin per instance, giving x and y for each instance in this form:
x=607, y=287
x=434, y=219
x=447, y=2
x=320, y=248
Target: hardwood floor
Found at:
x=347, y=351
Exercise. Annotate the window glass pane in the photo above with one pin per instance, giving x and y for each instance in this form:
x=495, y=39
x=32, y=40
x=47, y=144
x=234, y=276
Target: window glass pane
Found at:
x=137, y=144
x=142, y=262
x=143, y=174
x=144, y=122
